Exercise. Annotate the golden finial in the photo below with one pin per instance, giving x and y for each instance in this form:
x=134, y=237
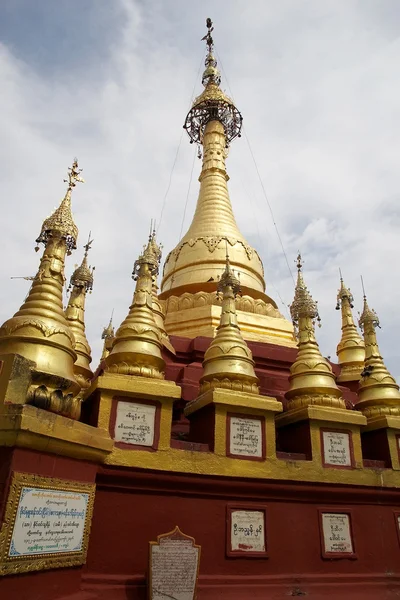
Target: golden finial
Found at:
x=311, y=380
x=378, y=393
x=303, y=306
x=136, y=348
x=108, y=337
x=212, y=104
x=61, y=221
x=228, y=361
x=81, y=282
x=82, y=277
x=350, y=350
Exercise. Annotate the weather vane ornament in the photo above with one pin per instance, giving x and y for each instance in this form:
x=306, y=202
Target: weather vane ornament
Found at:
x=212, y=104
x=61, y=222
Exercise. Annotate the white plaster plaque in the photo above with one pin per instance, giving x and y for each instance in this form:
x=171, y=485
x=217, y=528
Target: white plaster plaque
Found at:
x=248, y=530
x=336, y=533
x=246, y=437
x=135, y=423
x=336, y=448
x=174, y=564
x=48, y=521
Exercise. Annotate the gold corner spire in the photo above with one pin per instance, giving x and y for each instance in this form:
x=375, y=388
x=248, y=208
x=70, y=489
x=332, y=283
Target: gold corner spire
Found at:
x=108, y=337
x=350, y=350
x=136, y=349
x=311, y=379
x=80, y=284
x=228, y=361
x=378, y=393
x=39, y=331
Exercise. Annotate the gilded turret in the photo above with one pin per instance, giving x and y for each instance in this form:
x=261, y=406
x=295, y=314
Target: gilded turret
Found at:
x=108, y=337
x=136, y=349
x=80, y=284
x=39, y=331
x=311, y=379
x=378, y=392
x=194, y=265
x=228, y=361
x=350, y=350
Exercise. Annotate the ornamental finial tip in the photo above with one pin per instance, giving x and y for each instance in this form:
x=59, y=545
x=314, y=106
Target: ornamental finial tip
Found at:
x=74, y=175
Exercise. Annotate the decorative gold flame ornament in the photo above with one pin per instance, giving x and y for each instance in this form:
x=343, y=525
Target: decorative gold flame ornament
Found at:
x=136, y=349
x=378, y=392
x=228, y=362
x=311, y=379
x=350, y=350
x=80, y=284
x=39, y=331
x=108, y=337
x=194, y=265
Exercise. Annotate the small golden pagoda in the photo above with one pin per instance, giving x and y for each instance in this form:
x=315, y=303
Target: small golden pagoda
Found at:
x=136, y=348
x=80, y=284
x=350, y=350
x=192, y=268
x=312, y=381
x=39, y=331
x=378, y=393
x=228, y=362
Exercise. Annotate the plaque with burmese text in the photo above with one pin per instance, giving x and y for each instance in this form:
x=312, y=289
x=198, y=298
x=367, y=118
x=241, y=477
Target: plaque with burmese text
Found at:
x=336, y=535
x=135, y=423
x=337, y=448
x=246, y=531
x=46, y=524
x=245, y=437
x=174, y=566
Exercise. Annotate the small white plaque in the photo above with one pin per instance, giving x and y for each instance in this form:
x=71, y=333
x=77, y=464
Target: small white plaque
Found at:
x=135, y=423
x=174, y=565
x=336, y=532
x=336, y=448
x=248, y=530
x=48, y=522
x=246, y=437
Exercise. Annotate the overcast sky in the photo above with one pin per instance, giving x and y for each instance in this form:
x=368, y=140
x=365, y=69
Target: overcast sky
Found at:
x=110, y=82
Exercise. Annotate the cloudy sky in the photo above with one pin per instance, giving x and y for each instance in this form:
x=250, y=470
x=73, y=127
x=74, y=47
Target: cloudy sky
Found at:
x=111, y=82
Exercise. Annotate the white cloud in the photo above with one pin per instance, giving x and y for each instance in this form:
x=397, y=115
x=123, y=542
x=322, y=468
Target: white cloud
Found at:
x=316, y=83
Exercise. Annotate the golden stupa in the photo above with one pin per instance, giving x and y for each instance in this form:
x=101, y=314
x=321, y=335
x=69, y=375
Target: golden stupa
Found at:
x=192, y=268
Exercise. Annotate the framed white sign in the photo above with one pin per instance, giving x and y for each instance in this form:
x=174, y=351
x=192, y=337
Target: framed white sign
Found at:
x=336, y=534
x=245, y=437
x=135, y=423
x=336, y=448
x=246, y=531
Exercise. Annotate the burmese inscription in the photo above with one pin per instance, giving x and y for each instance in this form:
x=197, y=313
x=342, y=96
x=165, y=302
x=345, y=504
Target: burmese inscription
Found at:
x=135, y=423
x=246, y=437
x=336, y=448
x=336, y=533
x=248, y=530
x=174, y=563
x=48, y=522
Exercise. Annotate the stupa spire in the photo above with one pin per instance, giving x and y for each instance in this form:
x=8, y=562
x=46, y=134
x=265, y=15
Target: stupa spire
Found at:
x=311, y=378
x=81, y=283
x=39, y=331
x=378, y=393
x=136, y=348
x=108, y=337
x=228, y=361
x=212, y=122
x=350, y=350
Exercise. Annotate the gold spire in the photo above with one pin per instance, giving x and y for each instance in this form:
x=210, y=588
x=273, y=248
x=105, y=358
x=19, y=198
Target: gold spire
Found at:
x=194, y=265
x=311, y=379
x=378, y=392
x=108, y=337
x=136, y=349
x=228, y=361
x=350, y=350
x=81, y=282
x=39, y=330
